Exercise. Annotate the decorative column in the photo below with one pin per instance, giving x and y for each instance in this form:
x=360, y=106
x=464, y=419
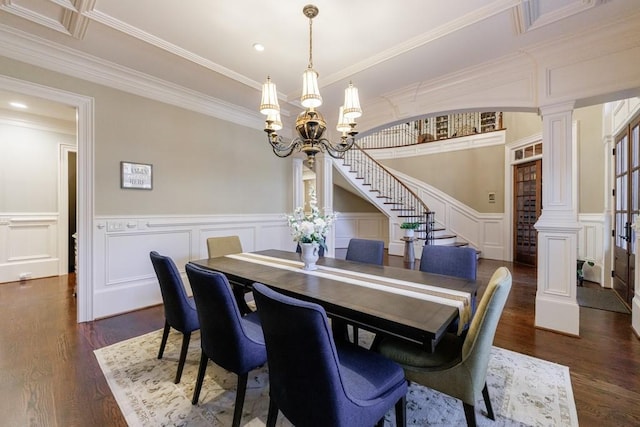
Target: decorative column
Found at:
x=556, y=305
x=324, y=192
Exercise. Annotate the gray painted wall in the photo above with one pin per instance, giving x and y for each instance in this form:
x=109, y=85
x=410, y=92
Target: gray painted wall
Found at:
x=201, y=165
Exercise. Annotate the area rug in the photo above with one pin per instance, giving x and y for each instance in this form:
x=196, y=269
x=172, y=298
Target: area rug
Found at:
x=602, y=299
x=525, y=391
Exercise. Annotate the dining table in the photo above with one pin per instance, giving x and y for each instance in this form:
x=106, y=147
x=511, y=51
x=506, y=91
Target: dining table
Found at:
x=405, y=303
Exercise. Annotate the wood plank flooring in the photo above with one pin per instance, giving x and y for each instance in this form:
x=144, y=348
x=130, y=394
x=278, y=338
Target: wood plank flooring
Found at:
x=50, y=377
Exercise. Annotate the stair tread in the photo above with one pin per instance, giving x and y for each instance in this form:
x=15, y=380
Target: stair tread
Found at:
x=445, y=236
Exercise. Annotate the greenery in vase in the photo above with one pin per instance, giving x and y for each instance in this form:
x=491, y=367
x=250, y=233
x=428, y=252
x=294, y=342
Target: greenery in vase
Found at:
x=409, y=225
x=312, y=227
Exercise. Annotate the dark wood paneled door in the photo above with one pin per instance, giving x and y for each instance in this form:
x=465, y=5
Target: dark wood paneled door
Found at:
x=627, y=205
x=527, y=207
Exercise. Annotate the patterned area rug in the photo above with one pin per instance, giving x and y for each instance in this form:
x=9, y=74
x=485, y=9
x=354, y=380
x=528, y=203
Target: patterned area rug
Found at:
x=524, y=391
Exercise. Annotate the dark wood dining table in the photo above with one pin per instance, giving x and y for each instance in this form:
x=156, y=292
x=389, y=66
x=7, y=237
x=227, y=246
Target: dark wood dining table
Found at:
x=372, y=309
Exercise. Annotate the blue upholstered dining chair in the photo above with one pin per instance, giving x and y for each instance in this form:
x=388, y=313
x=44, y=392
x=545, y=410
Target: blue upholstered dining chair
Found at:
x=454, y=261
x=179, y=309
x=458, y=366
x=367, y=251
x=449, y=260
x=315, y=381
x=227, y=338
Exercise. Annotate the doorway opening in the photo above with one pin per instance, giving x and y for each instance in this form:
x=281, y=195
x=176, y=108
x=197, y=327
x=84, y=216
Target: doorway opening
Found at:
x=85, y=210
x=527, y=208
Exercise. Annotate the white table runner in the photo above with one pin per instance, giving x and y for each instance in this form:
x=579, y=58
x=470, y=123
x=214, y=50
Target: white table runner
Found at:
x=459, y=299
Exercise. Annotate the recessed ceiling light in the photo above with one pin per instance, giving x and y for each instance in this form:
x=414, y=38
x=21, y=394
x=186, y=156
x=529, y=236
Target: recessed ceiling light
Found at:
x=259, y=47
x=18, y=105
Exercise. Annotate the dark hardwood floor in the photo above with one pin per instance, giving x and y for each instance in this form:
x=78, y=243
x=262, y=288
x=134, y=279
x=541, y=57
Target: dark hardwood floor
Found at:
x=50, y=377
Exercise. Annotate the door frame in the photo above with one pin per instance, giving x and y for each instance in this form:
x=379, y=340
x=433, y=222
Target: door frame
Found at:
x=85, y=178
x=63, y=206
x=509, y=162
x=630, y=250
x=537, y=161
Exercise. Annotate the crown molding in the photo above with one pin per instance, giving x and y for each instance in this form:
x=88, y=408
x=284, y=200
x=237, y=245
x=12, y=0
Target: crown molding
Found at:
x=137, y=33
x=473, y=17
x=21, y=46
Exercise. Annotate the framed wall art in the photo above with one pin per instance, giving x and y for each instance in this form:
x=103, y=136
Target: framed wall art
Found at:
x=136, y=176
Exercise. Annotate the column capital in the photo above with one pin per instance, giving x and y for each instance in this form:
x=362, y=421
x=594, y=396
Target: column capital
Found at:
x=560, y=108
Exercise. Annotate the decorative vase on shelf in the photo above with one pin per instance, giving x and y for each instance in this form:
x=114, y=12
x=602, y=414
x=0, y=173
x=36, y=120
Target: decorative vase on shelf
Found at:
x=409, y=232
x=309, y=255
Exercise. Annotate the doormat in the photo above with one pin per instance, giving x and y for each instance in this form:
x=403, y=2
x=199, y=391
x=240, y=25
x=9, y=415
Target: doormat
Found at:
x=601, y=299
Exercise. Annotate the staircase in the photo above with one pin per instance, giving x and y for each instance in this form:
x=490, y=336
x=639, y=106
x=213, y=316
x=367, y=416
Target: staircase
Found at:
x=395, y=199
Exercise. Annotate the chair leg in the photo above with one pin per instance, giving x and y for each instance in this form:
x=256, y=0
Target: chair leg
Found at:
x=240, y=392
x=165, y=335
x=470, y=414
x=272, y=416
x=487, y=402
x=375, y=344
x=183, y=355
x=201, y=370
x=401, y=413
x=340, y=330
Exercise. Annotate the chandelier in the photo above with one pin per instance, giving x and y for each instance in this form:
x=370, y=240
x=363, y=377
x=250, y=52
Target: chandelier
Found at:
x=310, y=124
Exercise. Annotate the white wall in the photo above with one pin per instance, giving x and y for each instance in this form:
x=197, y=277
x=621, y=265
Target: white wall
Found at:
x=30, y=211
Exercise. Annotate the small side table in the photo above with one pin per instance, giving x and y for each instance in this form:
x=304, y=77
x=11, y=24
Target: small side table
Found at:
x=409, y=254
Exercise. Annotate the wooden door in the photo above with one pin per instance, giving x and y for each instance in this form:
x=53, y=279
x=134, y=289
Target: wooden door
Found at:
x=627, y=205
x=527, y=207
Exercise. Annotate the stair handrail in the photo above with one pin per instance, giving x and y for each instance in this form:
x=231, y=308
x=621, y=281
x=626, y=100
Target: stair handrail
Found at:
x=401, y=135
x=414, y=207
x=438, y=128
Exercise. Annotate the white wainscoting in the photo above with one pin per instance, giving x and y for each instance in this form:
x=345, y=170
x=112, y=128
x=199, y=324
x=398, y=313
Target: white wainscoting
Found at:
x=124, y=279
x=591, y=246
x=373, y=226
x=28, y=246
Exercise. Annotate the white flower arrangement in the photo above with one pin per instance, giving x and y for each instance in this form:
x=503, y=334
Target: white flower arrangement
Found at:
x=313, y=227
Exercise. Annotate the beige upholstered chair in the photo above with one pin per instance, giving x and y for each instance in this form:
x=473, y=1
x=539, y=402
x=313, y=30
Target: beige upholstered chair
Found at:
x=227, y=245
x=458, y=367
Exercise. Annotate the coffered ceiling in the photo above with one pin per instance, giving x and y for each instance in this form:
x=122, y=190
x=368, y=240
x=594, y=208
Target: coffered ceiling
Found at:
x=205, y=47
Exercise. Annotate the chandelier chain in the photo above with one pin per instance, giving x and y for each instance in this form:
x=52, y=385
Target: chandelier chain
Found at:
x=310, y=42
